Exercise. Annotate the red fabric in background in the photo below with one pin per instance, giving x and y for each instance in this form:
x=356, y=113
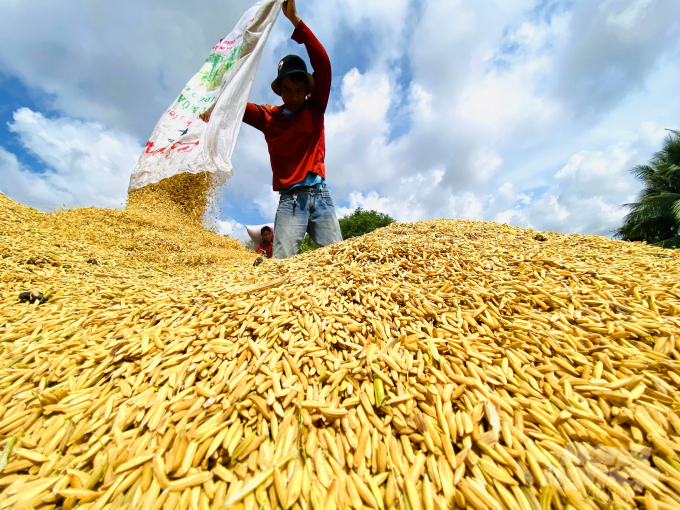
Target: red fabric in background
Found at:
x=266, y=248
x=297, y=145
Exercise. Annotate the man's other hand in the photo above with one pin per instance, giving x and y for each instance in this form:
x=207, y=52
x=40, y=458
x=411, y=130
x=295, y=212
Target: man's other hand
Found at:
x=205, y=116
x=290, y=12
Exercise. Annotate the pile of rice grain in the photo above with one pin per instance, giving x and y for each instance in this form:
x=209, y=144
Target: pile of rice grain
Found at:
x=184, y=200
x=160, y=231
x=442, y=364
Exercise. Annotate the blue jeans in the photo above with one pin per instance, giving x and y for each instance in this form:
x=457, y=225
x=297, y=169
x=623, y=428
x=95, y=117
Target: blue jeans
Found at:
x=300, y=211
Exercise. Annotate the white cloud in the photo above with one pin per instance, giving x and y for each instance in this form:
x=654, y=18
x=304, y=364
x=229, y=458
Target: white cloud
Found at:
x=358, y=152
x=467, y=206
x=120, y=63
x=613, y=48
x=486, y=163
x=267, y=202
x=233, y=229
x=570, y=167
x=501, y=101
x=368, y=202
x=630, y=14
x=388, y=22
x=406, y=197
x=588, y=167
x=507, y=190
x=524, y=198
x=527, y=111
x=86, y=163
x=652, y=134
x=505, y=216
x=586, y=195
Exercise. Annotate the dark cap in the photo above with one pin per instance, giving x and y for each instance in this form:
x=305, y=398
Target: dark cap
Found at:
x=292, y=64
x=265, y=228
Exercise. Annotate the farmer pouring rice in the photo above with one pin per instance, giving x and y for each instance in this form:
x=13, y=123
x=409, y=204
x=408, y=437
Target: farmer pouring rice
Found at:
x=294, y=133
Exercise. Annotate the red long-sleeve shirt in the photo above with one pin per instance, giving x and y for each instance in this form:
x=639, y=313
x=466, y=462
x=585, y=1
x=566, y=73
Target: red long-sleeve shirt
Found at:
x=266, y=248
x=297, y=145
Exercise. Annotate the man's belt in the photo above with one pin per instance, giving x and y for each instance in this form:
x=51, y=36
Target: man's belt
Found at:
x=302, y=189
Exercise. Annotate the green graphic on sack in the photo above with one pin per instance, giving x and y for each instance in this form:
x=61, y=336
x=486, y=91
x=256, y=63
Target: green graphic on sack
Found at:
x=210, y=75
x=185, y=101
x=209, y=78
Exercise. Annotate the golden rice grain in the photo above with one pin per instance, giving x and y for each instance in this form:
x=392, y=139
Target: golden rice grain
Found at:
x=433, y=365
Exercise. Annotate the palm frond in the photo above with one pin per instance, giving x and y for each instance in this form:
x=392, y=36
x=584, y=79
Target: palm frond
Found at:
x=676, y=211
x=655, y=216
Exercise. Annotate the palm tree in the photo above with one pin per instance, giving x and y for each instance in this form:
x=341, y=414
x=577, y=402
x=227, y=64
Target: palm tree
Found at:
x=655, y=217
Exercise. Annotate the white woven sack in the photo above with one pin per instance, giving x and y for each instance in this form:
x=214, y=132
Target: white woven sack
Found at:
x=181, y=142
x=254, y=231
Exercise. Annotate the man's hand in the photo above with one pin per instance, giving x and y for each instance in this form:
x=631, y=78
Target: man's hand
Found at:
x=290, y=12
x=205, y=116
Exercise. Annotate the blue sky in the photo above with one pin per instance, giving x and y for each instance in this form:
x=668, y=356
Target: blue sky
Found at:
x=15, y=95
x=527, y=112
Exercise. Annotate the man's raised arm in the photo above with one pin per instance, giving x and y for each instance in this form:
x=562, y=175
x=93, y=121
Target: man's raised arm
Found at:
x=253, y=116
x=317, y=55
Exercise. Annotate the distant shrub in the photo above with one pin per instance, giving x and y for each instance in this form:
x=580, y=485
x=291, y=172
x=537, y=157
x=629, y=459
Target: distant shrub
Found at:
x=358, y=223
x=362, y=222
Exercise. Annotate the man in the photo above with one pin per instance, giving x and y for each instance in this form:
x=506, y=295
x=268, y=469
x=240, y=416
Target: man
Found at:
x=296, y=140
x=266, y=245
